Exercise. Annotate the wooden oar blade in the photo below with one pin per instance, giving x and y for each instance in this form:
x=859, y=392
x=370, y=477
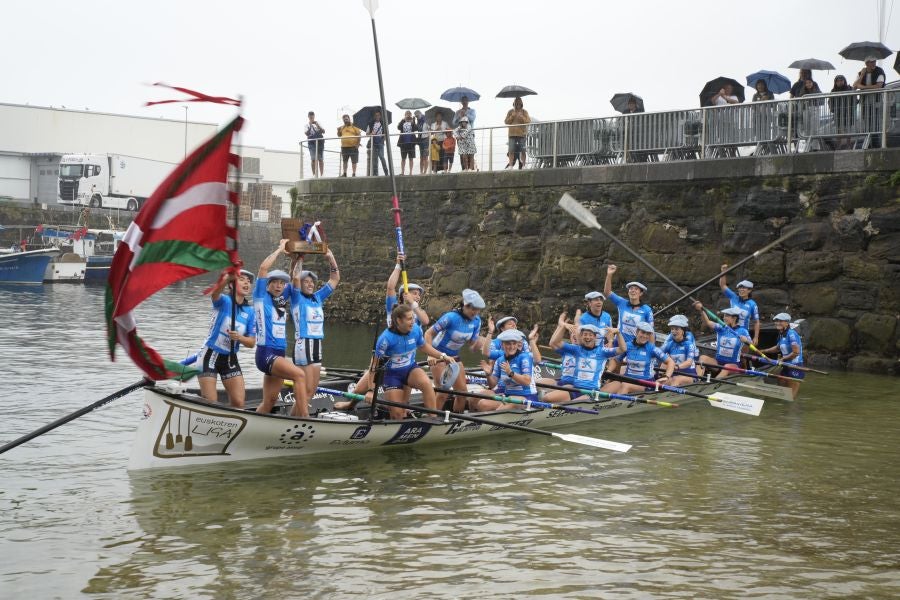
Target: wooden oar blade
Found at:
x=741, y=404
x=579, y=211
x=775, y=392
x=595, y=442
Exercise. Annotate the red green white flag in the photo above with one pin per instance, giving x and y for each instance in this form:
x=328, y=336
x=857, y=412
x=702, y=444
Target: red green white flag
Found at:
x=181, y=231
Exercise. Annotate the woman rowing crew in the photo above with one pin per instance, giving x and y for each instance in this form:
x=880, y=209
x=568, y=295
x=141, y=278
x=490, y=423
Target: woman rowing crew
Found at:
x=681, y=346
x=631, y=311
x=219, y=355
x=494, y=350
x=512, y=375
x=730, y=339
x=791, y=351
x=270, y=295
x=588, y=359
x=743, y=301
x=639, y=360
x=309, y=318
x=451, y=332
x=595, y=315
x=397, y=345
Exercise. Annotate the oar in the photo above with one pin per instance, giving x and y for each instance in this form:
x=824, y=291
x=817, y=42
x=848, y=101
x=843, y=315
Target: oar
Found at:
x=763, y=389
x=598, y=393
x=72, y=416
x=755, y=373
x=780, y=363
x=741, y=404
x=566, y=437
x=512, y=400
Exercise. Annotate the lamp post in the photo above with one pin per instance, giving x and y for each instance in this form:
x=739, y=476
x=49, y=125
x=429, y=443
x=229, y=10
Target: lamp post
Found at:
x=185, y=131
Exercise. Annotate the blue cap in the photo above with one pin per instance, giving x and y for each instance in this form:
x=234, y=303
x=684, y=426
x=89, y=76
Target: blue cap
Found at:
x=745, y=284
x=782, y=317
x=503, y=320
x=248, y=274
x=305, y=274
x=637, y=283
x=411, y=286
x=472, y=297
x=733, y=311
x=510, y=335
x=678, y=321
x=645, y=327
x=592, y=295
x=592, y=328
x=279, y=274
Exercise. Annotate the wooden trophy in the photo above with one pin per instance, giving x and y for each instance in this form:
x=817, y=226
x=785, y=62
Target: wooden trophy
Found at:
x=291, y=229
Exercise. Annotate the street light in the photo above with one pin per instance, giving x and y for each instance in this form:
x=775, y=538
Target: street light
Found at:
x=185, y=131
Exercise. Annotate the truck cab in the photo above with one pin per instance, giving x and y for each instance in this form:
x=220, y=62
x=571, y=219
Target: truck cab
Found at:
x=84, y=179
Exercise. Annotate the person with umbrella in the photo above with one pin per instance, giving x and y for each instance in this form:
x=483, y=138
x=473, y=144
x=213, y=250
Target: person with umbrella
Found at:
x=439, y=130
x=797, y=88
x=314, y=135
x=518, y=117
x=842, y=108
x=375, y=131
x=724, y=96
x=466, y=111
x=420, y=126
x=407, y=142
x=762, y=92
x=871, y=77
x=351, y=136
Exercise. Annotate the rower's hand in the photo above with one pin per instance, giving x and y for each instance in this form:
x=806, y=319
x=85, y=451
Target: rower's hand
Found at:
x=432, y=361
x=491, y=325
x=282, y=245
x=533, y=335
x=401, y=258
x=610, y=269
x=234, y=335
x=724, y=268
x=698, y=305
x=563, y=319
x=506, y=367
x=486, y=366
x=756, y=341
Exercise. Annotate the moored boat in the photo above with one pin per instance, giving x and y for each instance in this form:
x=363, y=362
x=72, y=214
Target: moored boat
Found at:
x=66, y=268
x=179, y=428
x=25, y=267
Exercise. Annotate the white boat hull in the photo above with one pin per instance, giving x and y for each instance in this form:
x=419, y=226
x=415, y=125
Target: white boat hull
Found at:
x=180, y=429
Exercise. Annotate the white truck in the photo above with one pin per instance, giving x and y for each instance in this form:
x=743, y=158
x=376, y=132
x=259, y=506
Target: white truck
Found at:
x=109, y=180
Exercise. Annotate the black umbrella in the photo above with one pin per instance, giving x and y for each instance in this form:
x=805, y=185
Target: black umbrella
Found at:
x=711, y=87
x=516, y=91
x=813, y=64
x=364, y=116
x=897, y=63
x=620, y=102
x=446, y=114
x=861, y=50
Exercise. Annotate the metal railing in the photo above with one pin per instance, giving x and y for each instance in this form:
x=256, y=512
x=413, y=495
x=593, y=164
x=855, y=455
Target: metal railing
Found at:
x=820, y=122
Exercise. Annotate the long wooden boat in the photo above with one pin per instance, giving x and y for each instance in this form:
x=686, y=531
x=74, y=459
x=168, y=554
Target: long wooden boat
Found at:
x=179, y=428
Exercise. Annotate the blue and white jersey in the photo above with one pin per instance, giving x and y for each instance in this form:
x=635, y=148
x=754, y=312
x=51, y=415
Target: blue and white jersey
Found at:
x=728, y=343
x=452, y=332
x=309, y=318
x=589, y=364
x=521, y=364
x=567, y=370
x=681, y=351
x=630, y=316
x=399, y=349
x=604, y=321
x=751, y=310
x=220, y=323
x=270, y=327
x=785, y=341
x=389, y=303
x=639, y=360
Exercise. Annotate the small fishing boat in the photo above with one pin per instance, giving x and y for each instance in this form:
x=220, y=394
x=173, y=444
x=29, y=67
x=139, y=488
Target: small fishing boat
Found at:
x=66, y=268
x=179, y=428
x=26, y=267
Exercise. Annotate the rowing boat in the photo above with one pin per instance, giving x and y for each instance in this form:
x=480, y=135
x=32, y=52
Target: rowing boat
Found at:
x=179, y=428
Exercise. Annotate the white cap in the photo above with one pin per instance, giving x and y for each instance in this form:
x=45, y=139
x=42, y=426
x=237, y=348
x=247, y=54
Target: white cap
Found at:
x=411, y=286
x=472, y=297
x=305, y=274
x=279, y=274
x=782, y=317
x=733, y=311
x=503, y=320
x=637, y=283
x=248, y=274
x=745, y=284
x=592, y=328
x=592, y=295
x=678, y=321
x=510, y=335
x=645, y=326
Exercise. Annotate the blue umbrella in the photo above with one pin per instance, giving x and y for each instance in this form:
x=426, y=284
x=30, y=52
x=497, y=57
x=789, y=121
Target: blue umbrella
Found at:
x=775, y=82
x=455, y=94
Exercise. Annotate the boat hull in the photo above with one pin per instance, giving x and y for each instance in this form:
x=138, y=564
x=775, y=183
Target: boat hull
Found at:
x=97, y=269
x=179, y=429
x=67, y=268
x=25, y=267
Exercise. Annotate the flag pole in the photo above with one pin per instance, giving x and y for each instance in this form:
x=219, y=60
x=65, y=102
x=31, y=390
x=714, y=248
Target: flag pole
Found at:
x=235, y=197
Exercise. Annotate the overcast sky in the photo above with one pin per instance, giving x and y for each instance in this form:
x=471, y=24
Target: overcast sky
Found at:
x=289, y=57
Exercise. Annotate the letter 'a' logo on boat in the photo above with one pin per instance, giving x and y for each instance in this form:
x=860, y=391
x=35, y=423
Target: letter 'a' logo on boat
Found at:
x=360, y=432
x=409, y=433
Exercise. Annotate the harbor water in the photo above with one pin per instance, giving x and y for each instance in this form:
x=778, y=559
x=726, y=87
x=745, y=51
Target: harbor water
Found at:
x=800, y=502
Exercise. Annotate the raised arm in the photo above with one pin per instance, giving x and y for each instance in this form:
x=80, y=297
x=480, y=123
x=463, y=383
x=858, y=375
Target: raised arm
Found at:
x=607, y=285
x=268, y=261
x=220, y=286
x=533, y=344
x=562, y=326
x=706, y=321
x=335, y=277
x=296, y=269
x=620, y=340
x=723, y=281
x=394, y=278
x=486, y=348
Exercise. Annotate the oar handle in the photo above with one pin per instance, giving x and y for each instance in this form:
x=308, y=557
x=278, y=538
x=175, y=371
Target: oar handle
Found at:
x=781, y=363
x=511, y=400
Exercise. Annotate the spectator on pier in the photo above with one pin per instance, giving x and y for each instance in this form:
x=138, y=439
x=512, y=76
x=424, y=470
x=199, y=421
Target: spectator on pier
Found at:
x=448, y=149
x=465, y=139
x=517, y=117
x=870, y=78
x=631, y=107
x=375, y=131
x=762, y=92
x=351, y=136
x=314, y=135
x=724, y=96
x=407, y=142
x=797, y=88
x=466, y=111
x=435, y=152
x=424, y=149
x=440, y=129
x=842, y=108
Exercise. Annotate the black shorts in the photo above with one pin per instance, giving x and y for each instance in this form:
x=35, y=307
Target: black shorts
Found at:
x=407, y=151
x=307, y=351
x=214, y=363
x=351, y=153
x=516, y=145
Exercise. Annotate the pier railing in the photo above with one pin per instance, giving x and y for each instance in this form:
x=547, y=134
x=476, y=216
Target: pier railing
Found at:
x=820, y=122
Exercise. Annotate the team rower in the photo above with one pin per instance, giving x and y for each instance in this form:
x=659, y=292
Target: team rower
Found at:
x=594, y=315
x=218, y=356
x=396, y=348
x=743, y=301
x=450, y=333
x=588, y=359
x=730, y=338
x=682, y=348
x=791, y=351
x=270, y=306
x=639, y=360
x=631, y=310
x=512, y=375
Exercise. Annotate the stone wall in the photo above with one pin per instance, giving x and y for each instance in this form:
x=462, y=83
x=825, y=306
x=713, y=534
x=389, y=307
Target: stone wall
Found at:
x=504, y=235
